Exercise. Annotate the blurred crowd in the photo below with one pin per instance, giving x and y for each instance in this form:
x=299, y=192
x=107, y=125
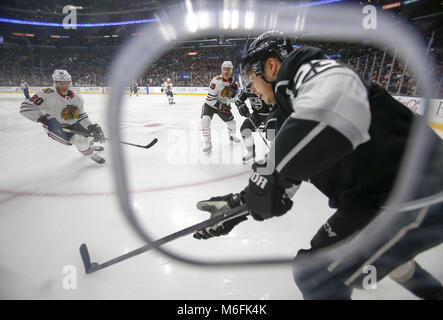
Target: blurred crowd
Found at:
x=196, y=66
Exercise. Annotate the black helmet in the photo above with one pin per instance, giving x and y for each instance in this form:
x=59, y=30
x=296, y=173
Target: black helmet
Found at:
x=270, y=43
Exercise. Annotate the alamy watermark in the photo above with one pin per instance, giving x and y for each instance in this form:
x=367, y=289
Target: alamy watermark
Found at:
x=70, y=279
x=370, y=281
x=370, y=19
x=185, y=148
x=70, y=20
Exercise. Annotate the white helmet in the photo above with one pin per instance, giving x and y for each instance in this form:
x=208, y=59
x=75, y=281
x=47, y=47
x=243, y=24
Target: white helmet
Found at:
x=227, y=64
x=169, y=79
x=61, y=75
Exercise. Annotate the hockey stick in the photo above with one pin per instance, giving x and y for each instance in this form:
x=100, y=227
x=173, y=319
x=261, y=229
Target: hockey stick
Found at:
x=91, y=267
x=259, y=133
x=150, y=144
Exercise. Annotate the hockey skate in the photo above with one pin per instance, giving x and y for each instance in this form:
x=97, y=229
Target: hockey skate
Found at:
x=98, y=159
x=207, y=147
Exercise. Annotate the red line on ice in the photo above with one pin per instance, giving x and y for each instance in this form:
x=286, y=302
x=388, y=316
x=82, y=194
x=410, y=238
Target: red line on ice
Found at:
x=15, y=194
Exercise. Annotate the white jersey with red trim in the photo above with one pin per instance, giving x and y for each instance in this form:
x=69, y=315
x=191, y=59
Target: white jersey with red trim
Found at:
x=219, y=90
x=49, y=102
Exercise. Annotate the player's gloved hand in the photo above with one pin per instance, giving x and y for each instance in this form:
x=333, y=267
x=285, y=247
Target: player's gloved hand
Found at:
x=217, y=206
x=234, y=89
x=162, y=89
x=97, y=132
x=242, y=108
x=265, y=198
x=52, y=125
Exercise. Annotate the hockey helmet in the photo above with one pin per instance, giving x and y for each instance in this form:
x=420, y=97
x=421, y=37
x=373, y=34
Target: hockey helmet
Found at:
x=61, y=75
x=227, y=64
x=271, y=43
x=169, y=79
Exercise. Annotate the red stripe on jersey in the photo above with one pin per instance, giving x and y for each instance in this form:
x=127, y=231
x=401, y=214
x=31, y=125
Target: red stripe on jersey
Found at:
x=57, y=138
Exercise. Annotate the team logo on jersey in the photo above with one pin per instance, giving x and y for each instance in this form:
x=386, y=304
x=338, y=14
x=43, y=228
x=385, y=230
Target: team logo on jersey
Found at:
x=48, y=90
x=69, y=112
x=226, y=92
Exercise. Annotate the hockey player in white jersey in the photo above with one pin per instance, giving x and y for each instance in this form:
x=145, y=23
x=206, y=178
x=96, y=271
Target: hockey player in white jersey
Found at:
x=222, y=91
x=61, y=112
x=167, y=88
x=25, y=88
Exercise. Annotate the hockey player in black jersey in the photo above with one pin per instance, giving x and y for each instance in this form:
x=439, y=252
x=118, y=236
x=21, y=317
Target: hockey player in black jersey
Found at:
x=347, y=137
x=260, y=111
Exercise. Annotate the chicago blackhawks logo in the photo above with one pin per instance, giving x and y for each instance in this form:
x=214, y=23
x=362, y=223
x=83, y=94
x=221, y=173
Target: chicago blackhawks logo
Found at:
x=48, y=90
x=226, y=92
x=69, y=112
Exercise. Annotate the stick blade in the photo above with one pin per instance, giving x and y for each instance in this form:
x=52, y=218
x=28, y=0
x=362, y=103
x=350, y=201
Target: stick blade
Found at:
x=151, y=143
x=85, y=257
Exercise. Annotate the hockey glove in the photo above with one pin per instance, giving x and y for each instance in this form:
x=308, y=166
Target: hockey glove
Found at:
x=234, y=89
x=264, y=197
x=217, y=206
x=242, y=108
x=161, y=89
x=97, y=132
x=54, y=127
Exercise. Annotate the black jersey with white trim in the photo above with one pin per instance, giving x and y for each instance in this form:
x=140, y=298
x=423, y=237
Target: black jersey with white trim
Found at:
x=345, y=136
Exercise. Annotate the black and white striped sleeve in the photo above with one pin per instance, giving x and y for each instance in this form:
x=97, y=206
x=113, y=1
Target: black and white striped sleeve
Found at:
x=330, y=118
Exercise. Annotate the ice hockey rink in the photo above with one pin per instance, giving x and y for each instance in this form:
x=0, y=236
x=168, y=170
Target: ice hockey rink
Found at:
x=52, y=199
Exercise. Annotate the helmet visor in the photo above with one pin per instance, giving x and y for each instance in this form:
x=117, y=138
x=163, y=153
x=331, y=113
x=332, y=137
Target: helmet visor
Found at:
x=245, y=71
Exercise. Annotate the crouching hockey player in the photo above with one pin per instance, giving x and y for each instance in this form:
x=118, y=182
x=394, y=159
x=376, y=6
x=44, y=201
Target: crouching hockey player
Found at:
x=260, y=111
x=61, y=112
x=347, y=137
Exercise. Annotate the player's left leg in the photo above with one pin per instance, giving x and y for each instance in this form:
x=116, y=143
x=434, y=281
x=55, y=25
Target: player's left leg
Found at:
x=246, y=130
x=315, y=281
x=85, y=146
x=226, y=115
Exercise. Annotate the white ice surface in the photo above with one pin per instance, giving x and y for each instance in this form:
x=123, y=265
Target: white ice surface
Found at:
x=52, y=199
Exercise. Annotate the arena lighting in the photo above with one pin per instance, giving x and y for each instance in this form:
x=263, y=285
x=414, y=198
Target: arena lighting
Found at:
x=391, y=5
x=315, y=3
x=78, y=25
x=55, y=36
x=409, y=2
x=192, y=53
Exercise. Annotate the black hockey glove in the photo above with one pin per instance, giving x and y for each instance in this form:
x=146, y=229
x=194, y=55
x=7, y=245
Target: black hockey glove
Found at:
x=217, y=206
x=162, y=90
x=52, y=125
x=264, y=197
x=97, y=132
x=242, y=108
